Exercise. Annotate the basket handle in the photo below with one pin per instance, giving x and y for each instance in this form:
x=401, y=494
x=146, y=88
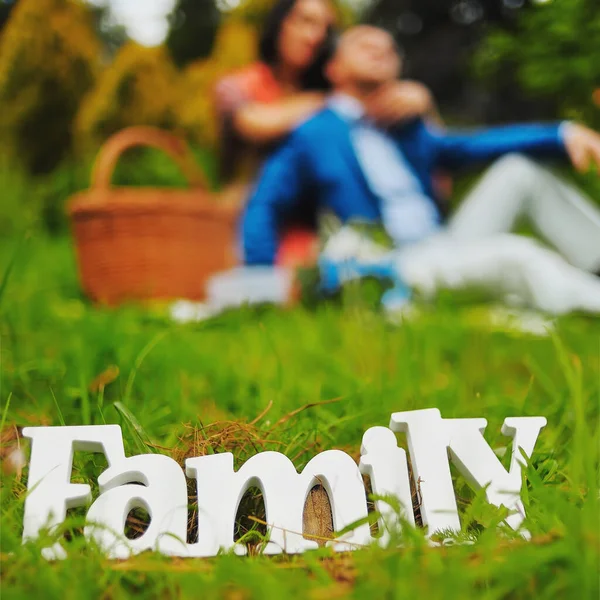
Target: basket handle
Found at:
x=129, y=137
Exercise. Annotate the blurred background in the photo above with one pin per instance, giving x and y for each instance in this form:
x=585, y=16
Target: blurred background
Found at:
x=73, y=72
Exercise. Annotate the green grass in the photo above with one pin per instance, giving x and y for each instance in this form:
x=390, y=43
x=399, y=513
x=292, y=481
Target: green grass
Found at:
x=173, y=378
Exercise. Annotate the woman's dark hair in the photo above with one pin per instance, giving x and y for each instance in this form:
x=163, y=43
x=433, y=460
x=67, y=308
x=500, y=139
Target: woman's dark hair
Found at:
x=314, y=77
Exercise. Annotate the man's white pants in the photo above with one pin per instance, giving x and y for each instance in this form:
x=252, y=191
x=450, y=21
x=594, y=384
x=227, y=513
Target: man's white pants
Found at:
x=515, y=268
x=475, y=250
x=515, y=187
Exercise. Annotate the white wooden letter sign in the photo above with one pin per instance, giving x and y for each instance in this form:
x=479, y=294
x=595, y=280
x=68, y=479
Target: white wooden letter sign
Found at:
x=158, y=484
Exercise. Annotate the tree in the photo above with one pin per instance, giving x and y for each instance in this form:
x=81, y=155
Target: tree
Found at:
x=254, y=12
x=5, y=8
x=49, y=58
x=553, y=56
x=140, y=87
x=194, y=25
x=235, y=46
x=439, y=38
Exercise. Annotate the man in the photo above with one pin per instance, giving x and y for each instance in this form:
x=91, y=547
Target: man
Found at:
x=361, y=171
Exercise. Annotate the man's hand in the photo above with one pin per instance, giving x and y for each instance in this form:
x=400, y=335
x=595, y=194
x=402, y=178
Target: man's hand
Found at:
x=399, y=101
x=582, y=145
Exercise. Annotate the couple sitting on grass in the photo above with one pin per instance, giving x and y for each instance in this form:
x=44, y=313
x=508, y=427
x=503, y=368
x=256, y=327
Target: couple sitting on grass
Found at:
x=364, y=157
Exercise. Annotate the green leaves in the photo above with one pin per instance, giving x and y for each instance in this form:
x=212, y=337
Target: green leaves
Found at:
x=553, y=54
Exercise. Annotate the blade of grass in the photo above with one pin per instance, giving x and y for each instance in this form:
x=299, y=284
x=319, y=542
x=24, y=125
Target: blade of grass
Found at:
x=141, y=438
x=60, y=415
x=10, y=266
x=86, y=412
x=5, y=411
x=140, y=359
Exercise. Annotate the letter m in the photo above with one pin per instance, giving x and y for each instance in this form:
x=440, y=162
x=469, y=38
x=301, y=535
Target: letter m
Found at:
x=284, y=490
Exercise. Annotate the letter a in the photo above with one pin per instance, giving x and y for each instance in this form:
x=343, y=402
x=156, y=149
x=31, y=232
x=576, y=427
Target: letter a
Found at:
x=162, y=493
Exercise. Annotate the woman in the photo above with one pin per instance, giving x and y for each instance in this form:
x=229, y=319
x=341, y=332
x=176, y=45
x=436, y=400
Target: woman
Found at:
x=265, y=101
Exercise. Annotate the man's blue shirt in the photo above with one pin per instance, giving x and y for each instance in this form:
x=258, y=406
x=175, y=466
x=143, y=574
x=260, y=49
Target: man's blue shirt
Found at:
x=407, y=213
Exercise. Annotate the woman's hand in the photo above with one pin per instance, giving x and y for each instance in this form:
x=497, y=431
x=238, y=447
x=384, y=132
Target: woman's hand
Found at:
x=300, y=107
x=261, y=123
x=400, y=101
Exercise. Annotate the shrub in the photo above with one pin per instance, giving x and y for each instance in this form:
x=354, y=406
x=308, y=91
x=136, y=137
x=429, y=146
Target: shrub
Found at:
x=139, y=88
x=553, y=55
x=49, y=58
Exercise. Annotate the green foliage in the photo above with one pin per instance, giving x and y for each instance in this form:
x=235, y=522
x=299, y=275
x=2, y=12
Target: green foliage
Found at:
x=38, y=204
x=18, y=209
x=68, y=79
x=55, y=345
x=139, y=88
x=5, y=9
x=235, y=46
x=553, y=54
x=49, y=58
x=194, y=24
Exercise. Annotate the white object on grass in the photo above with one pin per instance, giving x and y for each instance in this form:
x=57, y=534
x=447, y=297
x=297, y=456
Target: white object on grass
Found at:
x=284, y=493
x=49, y=489
x=157, y=483
x=236, y=287
x=347, y=243
x=249, y=285
x=184, y=311
x=153, y=482
x=386, y=465
x=430, y=438
x=521, y=321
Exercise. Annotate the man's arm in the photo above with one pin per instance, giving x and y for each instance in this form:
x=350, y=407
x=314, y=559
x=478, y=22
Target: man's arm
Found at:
x=454, y=150
x=280, y=184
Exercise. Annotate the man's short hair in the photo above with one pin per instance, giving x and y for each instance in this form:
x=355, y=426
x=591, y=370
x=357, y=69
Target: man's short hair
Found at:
x=336, y=38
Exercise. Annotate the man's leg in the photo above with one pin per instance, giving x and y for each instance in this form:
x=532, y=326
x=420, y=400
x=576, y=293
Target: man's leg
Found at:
x=515, y=186
x=508, y=265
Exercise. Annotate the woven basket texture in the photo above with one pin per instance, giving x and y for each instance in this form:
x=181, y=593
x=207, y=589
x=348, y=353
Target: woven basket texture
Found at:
x=139, y=244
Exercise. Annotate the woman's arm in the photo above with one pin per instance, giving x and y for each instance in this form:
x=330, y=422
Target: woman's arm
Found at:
x=402, y=101
x=260, y=116
x=261, y=123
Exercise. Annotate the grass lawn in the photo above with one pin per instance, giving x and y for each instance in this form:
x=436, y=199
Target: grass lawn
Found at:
x=169, y=386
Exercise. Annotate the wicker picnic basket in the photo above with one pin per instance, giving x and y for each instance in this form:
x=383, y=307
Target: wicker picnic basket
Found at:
x=138, y=244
